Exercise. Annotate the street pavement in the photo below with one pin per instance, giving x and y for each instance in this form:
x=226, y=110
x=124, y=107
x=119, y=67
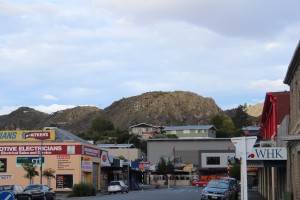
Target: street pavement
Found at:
x=252, y=193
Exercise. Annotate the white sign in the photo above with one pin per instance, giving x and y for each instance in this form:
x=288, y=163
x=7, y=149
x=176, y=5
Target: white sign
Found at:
x=269, y=153
x=86, y=166
x=6, y=176
x=240, y=145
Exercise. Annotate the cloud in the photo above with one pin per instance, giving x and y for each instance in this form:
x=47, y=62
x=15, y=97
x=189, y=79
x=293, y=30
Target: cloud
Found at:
x=51, y=108
x=49, y=97
x=267, y=85
x=7, y=109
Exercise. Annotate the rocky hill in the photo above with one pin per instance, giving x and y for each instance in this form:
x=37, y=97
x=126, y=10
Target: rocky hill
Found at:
x=255, y=110
x=162, y=109
x=156, y=108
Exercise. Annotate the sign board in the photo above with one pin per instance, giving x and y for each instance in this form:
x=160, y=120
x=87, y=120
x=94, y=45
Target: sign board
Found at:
x=6, y=195
x=32, y=135
x=269, y=153
x=240, y=146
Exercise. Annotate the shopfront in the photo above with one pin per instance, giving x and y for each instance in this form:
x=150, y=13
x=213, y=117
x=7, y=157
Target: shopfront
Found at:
x=73, y=161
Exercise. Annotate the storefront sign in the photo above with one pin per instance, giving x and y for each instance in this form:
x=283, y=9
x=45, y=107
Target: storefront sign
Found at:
x=35, y=149
x=6, y=176
x=35, y=160
x=91, y=151
x=64, y=163
x=33, y=135
x=269, y=153
x=87, y=166
x=49, y=150
x=104, y=159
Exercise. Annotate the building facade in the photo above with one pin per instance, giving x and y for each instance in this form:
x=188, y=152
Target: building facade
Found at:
x=208, y=155
x=74, y=160
x=192, y=132
x=272, y=173
x=145, y=131
x=293, y=138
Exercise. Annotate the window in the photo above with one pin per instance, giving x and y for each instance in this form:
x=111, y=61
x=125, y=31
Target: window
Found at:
x=213, y=160
x=186, y=131
x=3, y=164
x=64, y=181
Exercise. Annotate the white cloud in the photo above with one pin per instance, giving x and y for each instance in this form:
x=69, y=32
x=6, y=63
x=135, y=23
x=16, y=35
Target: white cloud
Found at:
x=267, y=85
x=51, y=108
x=7, y=109
x=49, y=97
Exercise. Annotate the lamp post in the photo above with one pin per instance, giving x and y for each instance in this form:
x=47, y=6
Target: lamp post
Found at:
x=129, y=162
x=41, y=162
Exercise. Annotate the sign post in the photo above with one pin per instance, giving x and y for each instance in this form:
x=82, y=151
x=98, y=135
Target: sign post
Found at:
x=243, y=146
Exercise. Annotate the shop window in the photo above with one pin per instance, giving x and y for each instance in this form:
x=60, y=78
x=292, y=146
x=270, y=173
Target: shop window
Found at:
x=3, y=164
x=213, y=160
x=64, y=181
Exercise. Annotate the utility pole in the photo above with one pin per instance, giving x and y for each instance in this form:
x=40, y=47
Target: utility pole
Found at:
x=243, y=146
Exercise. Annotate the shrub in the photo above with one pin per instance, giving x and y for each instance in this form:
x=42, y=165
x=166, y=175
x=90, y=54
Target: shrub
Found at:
x=83, y=189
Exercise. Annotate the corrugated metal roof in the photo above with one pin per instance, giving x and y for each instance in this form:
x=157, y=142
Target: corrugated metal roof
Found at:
x=251, y=128
x=63, y=135
x=190, y=127
x=115, y=145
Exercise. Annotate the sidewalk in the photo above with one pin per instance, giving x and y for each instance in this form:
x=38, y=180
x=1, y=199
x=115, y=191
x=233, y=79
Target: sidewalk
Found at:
x=254, y=195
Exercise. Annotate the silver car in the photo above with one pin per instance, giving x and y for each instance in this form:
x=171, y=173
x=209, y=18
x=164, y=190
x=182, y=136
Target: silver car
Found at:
x=117, y=186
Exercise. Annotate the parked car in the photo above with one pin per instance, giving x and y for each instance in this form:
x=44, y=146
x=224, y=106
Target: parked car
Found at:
x=235, y=184
x=117, y=186
x=13, y=188
x=199, y=183
x=37, y=192
x=219, y=190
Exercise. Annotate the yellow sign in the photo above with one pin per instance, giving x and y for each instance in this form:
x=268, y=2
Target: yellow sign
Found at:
x=27, y=135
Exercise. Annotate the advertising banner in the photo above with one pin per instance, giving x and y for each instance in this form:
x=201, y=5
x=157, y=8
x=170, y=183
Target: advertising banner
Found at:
x=25, y=135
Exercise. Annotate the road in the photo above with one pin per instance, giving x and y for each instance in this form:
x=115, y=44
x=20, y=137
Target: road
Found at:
x=176, y=193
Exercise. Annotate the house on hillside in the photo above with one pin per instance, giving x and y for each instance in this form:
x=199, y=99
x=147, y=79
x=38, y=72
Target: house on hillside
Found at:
x=145, y=130
x=192, y=132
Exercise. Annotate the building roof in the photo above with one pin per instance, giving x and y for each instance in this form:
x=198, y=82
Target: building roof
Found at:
x=115, y=145
x=282, y=105
x=144, y=125
x=63, y=135
x=190, y=127
x=293, y=66
x=180, y=139
x=251, y=128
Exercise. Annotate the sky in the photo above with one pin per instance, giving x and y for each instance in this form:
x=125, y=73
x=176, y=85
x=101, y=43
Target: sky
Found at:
x=57, y=54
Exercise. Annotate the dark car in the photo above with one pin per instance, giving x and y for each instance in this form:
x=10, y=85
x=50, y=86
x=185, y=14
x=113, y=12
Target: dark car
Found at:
x=219, y=190
x=235, y=184
x=117, y=186
x=13, y=188
x=37, y=192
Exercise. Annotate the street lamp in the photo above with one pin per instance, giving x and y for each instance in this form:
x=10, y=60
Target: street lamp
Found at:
x=129, y=162
x=41, y=162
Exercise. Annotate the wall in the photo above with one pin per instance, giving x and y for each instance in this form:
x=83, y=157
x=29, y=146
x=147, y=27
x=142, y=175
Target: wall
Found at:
x=65, y=158
x=188, y=149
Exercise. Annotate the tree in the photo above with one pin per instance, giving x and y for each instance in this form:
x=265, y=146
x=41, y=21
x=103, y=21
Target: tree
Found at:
x=101, y=129
x=169, y=167
x=241, y=118
x=224, y=125
x=235, y=170
x=30, y=169
x=48, y=174
x=161, y=166
x=100, y=124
